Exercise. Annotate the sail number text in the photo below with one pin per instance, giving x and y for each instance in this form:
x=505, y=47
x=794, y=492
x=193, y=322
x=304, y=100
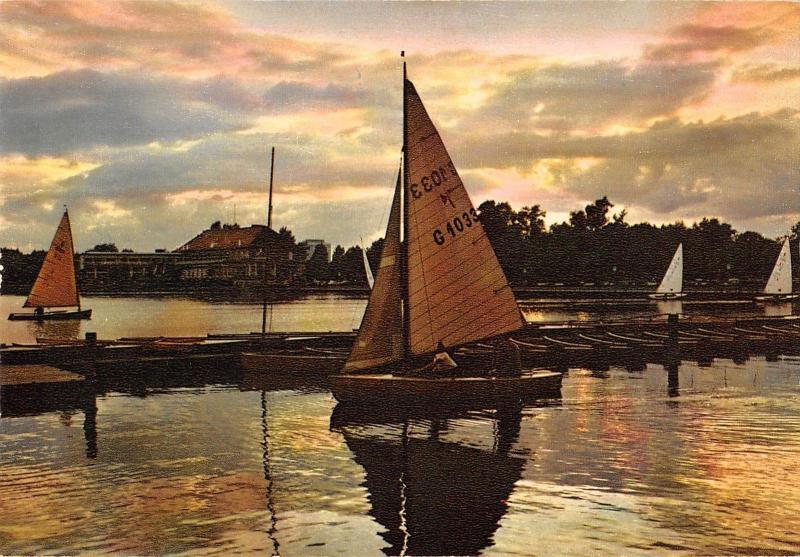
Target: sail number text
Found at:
x=455, y=226
x=433, y=180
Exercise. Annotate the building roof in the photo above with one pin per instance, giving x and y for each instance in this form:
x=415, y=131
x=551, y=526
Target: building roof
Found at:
x=230, y=238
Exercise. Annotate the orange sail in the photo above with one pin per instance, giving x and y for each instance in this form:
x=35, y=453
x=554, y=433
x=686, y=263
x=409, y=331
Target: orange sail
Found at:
x=457, y=292
x=380, y=337
x=55, y=285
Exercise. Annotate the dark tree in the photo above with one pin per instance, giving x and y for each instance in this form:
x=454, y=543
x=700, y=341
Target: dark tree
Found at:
x=317, y=267
x=110, y=248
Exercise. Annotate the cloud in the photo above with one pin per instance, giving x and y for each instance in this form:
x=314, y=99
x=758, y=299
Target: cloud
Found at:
x=686, y=41
x=743, y=167
x=155, y=117
x=562, y=98
x=70, y=111
x=765, y=73
x=295, y=95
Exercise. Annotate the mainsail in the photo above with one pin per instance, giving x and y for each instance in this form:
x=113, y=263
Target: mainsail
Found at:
x=457, y=292
x=673, y=278
x=380, y=337
x=55, y=285
x=780, y=281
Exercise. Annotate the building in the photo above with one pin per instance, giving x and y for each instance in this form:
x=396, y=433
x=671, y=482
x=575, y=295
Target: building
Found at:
x=251, y=255
x=311, y=245
x=110, y=269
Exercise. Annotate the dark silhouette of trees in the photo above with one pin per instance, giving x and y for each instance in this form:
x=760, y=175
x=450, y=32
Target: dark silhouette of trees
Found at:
x=597, y=247
x=317, y=266
x=108, y=248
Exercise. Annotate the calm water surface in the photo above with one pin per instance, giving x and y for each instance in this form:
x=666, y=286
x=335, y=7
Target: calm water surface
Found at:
x=699, y=461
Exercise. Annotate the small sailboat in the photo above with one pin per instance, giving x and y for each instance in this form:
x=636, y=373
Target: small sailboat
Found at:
x=437, y=288
x=367, y=268
x=671, y=286
x=779, y=285
x=55, y=286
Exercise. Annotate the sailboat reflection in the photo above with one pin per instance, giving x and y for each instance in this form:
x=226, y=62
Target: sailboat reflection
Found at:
x=778, y=310
x=669, y=306
x=435, y=484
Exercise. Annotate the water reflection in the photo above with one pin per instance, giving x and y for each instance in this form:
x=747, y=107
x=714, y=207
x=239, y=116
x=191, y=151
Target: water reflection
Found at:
x=418, y=468
x=778, y=310
x=271, y=531
x=67, y=329
x=669, y=306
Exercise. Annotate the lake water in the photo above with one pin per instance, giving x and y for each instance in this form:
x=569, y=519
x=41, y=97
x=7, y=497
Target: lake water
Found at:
x=702, y=461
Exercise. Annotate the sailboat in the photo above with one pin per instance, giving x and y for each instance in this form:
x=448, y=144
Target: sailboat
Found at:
x=779, y=285
x=438, y=287
x=367, y=268
x=55, y=285
x=672, y=284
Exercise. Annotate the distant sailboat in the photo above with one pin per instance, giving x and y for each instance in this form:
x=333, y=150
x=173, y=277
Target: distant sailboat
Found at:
x=55, y=286
x=671, y=286
x=439, y=287
x=367, y=268
x=779, y=285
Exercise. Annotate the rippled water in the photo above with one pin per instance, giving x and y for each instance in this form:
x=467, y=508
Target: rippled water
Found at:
x=700, y=461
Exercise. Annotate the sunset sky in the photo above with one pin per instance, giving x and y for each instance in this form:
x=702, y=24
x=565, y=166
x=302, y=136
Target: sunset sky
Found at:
x=151, y=120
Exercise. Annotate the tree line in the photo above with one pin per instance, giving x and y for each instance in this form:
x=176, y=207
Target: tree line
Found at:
x=597, y=246
x=593, y=246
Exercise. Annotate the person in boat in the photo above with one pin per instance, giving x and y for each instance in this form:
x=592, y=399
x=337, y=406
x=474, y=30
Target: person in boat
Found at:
x=442, y=364
x=442, y=360
x=39, y=311
x=507, y=359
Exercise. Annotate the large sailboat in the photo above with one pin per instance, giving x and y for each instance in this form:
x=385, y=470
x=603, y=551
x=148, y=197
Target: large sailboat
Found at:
x=671, y=286
x=438, y=287
x=55, y=285
x=779, y=285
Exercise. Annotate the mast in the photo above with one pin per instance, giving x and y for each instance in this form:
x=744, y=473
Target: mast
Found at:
x=404, y=262
x=72, y=256
x=271, y=172
x=269, y=225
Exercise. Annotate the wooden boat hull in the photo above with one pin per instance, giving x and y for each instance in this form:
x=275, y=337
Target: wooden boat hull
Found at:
x=668, y=296
x=778, y=298
x=51, y=315
x=448, y=390
x=305, y=364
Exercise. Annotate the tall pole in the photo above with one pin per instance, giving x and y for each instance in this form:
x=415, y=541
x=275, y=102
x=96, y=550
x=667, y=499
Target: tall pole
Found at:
x=269, y=225
x=404, y=258
x=271, y=172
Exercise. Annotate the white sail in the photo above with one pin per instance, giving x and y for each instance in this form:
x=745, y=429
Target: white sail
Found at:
x=780, y=281
x=672, y=283
x=367, y=268
x=380, y=337
x=55, y=284
x=457, y=292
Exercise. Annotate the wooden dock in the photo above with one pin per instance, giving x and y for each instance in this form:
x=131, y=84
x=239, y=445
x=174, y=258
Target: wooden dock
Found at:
x=552, y=345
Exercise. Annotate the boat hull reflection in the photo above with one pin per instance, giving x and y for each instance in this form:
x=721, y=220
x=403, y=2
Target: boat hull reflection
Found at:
x=433, y=493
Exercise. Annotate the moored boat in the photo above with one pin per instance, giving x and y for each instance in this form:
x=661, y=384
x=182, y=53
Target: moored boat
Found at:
x=55, y=285
x=779, y=285
x=300, y=362
x=671, y=286
x=438, y=288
